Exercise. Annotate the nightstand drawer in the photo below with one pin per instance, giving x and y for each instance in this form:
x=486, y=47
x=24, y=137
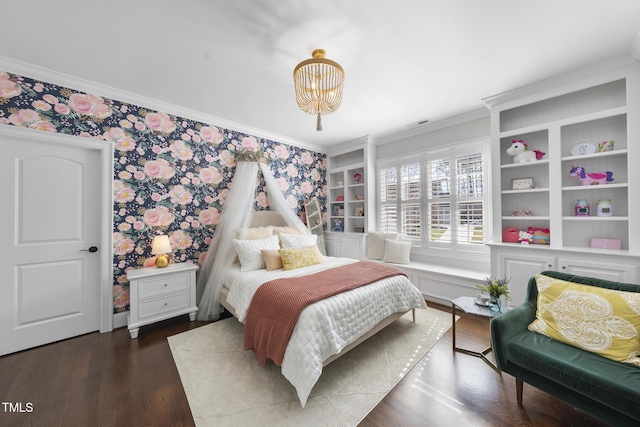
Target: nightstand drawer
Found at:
x=163, y=305
x=158, y=286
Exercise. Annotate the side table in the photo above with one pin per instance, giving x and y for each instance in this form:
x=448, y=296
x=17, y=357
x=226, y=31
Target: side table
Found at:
x=467, y=305
x=161, y=293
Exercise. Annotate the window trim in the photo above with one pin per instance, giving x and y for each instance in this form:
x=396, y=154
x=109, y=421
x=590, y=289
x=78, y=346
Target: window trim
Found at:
x=453, y=151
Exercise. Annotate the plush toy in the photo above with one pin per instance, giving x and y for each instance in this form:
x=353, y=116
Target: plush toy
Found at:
x=525, y=237
x=521, y=153
x=539, y=235
x=594, y=178
x=337, y=225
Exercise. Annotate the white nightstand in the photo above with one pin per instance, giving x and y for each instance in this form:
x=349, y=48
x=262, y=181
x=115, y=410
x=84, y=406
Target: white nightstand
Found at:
x=160, y=293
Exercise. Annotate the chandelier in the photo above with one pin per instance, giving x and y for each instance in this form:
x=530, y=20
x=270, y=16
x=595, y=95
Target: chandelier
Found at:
x=318, y=82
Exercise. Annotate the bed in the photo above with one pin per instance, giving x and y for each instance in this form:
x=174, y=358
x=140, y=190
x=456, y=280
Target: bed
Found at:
x=327, y=329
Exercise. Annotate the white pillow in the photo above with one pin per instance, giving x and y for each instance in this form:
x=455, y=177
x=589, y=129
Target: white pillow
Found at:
x=376, y=243
x=249, y=252
x=297, y=240
x=397, y=252
x=254, y=233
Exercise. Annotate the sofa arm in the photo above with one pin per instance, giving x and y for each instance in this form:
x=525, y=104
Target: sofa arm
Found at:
x=506, y=326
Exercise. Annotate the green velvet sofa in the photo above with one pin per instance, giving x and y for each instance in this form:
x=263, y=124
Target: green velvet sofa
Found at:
x=606, y=389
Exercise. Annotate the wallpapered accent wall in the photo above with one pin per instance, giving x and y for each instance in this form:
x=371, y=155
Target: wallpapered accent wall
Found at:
x=171, y=174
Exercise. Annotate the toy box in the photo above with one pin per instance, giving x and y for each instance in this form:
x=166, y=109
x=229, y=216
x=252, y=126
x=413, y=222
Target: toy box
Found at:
x=605, y=243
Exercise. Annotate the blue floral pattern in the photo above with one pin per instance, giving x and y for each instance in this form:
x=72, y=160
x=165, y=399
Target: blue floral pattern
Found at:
x=171, y=174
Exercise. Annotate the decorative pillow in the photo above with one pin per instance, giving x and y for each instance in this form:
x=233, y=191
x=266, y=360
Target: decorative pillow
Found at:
x=271, y=259
x=599, y=320
x=254, y=233
x=249, y=252
x=293, y=258
x=397, y=252
x=286, y=229
x=297, y=240
x=376, y=242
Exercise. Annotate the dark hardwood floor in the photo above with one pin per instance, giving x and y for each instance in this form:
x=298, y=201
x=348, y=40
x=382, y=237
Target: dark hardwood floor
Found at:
x=111, y=380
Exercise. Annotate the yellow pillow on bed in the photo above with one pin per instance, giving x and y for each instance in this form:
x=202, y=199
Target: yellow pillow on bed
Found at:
x=600, y=320
x=293, y=258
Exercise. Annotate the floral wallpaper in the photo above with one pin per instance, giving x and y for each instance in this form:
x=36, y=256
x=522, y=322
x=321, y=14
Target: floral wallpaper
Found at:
x=171, y=174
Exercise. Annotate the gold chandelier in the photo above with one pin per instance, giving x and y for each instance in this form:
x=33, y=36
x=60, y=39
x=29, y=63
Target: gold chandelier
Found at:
x=318, y=82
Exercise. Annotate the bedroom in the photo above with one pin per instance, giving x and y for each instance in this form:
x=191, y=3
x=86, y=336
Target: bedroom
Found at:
x=294, y=163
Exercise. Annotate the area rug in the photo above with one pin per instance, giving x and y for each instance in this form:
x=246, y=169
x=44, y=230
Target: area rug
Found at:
x=226, y=386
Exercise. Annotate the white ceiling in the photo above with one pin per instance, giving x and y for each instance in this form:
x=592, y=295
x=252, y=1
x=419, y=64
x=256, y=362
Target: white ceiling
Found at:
x=405, y=60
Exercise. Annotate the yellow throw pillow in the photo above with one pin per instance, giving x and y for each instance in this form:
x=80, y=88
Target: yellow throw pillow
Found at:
x=599, y=320
x=293, y=258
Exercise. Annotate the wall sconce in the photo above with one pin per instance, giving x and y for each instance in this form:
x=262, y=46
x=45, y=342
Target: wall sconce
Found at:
x=160, y=247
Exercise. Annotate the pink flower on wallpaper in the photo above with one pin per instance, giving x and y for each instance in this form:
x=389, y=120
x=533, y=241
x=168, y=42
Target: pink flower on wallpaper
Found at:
x=262, y=200
x=159, y=122
x=125, y=195
x=180, y=195
x=158, y=216
x=126, y=144
x=315, y=174
x=251, y=143
x=43, y=125
x=159, y=168
x=283, y=184
x=61, y=109
x=306, y=187
x=210, y=175
x=209, y=216
x=306, y=158
x=293, y=201
x=281, y=152
x=292, y=171
x=8, y=89
x=120, y=297
x=226, y=159
x=124, y=247
x=41, y=105
x=211, y=134
x=89, y=105
x=181, y=240
x=24, y=115
x=50, y=99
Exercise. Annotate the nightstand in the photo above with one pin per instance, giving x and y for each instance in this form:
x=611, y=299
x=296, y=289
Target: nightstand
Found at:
x=161, y=293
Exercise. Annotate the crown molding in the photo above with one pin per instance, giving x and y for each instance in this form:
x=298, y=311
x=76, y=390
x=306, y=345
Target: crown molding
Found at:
x=61, y=79
x=430, y=127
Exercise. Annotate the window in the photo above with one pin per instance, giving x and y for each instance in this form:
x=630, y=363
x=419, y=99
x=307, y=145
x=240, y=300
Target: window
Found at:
x=437, y=199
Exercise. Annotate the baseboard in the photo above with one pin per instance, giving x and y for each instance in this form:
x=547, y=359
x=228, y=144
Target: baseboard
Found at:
x=120, y=320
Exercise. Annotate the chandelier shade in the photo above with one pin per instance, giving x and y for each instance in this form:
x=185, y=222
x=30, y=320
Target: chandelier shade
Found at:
x=318, y=84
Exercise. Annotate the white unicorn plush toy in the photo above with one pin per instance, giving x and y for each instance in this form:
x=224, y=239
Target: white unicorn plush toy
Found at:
x=521, y=153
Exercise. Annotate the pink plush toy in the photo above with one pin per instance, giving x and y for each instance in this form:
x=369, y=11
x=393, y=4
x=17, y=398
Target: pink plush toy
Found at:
x=521, y=153
x=525, y=237
x=594, y=178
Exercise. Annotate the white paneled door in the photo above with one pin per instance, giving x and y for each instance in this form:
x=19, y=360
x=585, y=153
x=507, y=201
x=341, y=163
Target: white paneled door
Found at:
x=49, y=237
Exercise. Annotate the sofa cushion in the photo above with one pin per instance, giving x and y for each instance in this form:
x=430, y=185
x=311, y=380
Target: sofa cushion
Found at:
x=612, y=383
x=603, y=321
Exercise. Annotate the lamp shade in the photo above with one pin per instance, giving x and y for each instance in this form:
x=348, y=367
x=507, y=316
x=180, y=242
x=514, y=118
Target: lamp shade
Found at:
x=161, y=245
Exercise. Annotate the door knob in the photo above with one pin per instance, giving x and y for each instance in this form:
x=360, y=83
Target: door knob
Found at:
x=92, y=249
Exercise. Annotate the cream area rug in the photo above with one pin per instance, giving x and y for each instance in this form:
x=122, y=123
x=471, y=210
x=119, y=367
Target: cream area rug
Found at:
x=226, y=386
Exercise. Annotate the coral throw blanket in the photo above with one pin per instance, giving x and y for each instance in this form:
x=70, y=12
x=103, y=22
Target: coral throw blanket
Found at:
x=276, y=305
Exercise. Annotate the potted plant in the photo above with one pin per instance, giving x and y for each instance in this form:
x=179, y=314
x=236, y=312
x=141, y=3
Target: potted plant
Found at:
x=495, y=288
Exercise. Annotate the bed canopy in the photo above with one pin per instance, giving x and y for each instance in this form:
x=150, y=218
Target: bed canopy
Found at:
x=236, y=215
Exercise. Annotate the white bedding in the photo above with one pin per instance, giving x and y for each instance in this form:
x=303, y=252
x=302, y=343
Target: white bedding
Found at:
x=325, y=327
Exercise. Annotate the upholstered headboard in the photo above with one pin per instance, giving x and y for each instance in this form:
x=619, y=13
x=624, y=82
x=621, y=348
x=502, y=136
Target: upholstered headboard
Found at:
x=262, y=218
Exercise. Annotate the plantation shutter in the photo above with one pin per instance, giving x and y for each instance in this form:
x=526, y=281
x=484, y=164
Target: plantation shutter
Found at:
x=470, y=199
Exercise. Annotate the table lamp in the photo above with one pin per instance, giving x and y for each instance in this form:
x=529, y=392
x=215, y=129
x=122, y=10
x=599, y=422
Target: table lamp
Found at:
x=160, y=247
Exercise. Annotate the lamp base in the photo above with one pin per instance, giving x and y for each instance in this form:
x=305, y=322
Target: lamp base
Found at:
x=162, y=261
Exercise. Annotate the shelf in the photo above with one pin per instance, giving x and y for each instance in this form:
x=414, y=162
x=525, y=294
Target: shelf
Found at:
x=522, y=165
x=594, y=187
x=604, y=154
x=525, y=218
x=531, y=190
x=595, y=218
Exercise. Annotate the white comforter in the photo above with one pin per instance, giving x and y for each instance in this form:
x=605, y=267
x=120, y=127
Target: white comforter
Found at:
x=325, y=327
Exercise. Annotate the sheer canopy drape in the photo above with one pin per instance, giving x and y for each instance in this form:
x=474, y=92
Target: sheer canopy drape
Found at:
x=236, y=215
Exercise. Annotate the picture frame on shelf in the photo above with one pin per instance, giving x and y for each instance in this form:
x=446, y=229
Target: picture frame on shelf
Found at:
x=359, y=210
x=522, y=183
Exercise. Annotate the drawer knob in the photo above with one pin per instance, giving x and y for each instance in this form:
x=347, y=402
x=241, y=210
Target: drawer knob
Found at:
x=165, y=285
x=165, y=304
